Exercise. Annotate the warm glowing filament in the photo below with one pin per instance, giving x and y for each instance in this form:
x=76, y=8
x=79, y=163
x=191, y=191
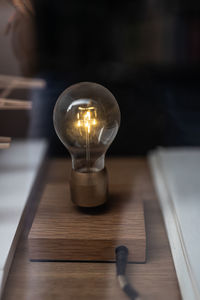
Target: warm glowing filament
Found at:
x=87, y=118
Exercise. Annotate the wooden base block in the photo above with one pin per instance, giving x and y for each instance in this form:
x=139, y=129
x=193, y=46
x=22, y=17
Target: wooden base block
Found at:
x=61, y=231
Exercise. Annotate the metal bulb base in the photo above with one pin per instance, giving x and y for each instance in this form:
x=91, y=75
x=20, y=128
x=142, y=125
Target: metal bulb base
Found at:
x=89, y=189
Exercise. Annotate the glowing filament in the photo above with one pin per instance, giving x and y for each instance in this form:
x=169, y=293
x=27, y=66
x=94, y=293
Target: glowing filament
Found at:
x=87, y=118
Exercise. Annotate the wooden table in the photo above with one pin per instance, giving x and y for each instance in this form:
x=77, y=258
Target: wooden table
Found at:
x=62, y=280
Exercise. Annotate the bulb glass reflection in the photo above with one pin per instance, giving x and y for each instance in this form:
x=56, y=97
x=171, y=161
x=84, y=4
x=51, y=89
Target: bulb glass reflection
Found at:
x=86, y=119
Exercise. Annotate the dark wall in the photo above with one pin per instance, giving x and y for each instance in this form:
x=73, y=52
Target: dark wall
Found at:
x=146, y=52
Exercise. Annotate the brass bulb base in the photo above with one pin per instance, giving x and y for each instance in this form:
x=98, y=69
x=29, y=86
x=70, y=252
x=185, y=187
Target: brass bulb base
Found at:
x=89, y=189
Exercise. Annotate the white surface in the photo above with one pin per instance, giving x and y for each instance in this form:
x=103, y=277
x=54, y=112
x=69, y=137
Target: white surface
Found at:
x=19, y=166
x=177, y=180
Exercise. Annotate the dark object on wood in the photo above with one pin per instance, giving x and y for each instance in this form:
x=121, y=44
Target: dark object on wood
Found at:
x=121, y=253
x=121, y=261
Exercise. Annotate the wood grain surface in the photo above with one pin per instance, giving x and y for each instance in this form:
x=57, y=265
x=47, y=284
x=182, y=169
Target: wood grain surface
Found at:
x=61, y=231
x=155, y=280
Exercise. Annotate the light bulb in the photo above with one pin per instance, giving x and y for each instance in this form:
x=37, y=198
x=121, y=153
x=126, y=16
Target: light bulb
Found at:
x=86, y=119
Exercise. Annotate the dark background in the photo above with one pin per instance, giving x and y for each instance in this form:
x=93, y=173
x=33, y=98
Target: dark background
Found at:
x=147, y=52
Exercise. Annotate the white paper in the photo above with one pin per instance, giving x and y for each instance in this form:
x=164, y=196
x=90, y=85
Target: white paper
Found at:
x=19, y=166
x=176, y=174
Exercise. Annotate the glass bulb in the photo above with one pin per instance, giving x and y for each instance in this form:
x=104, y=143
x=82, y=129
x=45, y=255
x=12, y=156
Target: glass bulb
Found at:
x=86, y=119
